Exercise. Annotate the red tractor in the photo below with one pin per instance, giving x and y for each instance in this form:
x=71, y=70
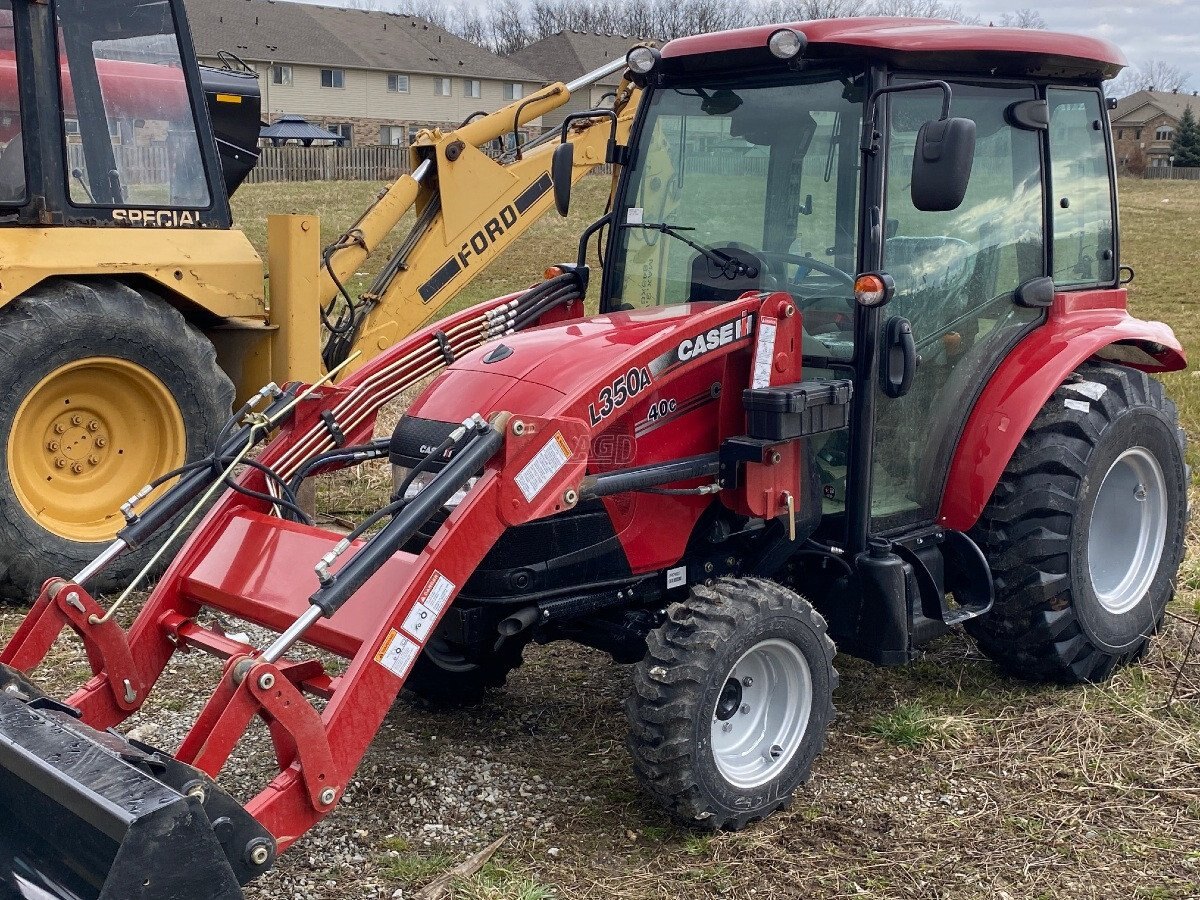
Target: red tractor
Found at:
x=862, y=371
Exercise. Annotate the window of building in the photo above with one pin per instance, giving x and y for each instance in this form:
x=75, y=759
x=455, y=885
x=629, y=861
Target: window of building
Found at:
x=413, y=131
x=392, y=135
x=514, y=90
x=1164, y=133
x=1120, y=134
x=333, y=78
x=344, y=130
x=472, y=88
x=281, y=74
x=1137, y=135
x=442, y=87
x=398, y=84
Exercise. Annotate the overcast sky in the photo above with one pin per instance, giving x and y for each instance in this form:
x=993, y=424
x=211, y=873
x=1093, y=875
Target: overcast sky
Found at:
x=1147, y=30
x=1151, y=29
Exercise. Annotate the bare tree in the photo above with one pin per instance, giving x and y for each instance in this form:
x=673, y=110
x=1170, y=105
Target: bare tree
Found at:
x=1023, y=18
x=1153, y=75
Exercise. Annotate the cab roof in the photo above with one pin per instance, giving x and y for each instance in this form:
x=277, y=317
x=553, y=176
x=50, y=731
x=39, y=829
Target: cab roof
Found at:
x=939, y=44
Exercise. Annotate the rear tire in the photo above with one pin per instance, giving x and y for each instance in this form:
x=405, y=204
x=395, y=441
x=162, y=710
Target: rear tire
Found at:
x=732, y=703
x=1085, y=530
x=147, y=394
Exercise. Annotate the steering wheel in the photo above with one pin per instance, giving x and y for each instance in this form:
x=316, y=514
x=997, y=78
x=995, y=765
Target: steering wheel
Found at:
x=809, y=262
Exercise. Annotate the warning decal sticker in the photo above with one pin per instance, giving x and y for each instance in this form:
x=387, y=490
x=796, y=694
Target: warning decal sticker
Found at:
x=547, y=463
x=764, y=353
x=397, y=654
x=436, y=592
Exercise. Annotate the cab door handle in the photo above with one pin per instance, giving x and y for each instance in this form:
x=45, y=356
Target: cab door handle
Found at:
x=899, y=364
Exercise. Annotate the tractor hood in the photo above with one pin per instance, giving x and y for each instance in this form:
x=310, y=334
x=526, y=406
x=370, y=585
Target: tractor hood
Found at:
x=536, y=370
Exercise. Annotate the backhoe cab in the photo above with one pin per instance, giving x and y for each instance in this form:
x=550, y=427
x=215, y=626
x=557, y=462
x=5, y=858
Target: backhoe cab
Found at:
x=862, y=371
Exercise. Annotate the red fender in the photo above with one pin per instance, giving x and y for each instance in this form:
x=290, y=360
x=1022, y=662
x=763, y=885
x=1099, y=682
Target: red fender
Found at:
x=1080, y=325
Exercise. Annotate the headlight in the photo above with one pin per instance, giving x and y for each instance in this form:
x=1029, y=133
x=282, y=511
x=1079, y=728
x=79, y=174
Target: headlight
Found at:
x=786, y=44
x=642, y=60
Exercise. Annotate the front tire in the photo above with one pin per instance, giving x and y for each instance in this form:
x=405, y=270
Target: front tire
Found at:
x=732, y=703
x=105, y=389
x=1085, y=530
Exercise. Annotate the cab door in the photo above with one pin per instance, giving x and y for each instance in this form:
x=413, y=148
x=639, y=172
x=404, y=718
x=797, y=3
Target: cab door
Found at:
x=962, y=284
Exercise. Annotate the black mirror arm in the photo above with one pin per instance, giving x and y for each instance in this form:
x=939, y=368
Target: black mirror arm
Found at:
x=606, y=219
x=610, y=114
x=870, y=140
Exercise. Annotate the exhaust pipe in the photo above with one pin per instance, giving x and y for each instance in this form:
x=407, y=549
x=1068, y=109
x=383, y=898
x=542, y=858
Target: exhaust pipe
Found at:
x=89, y=815
x=518, y=621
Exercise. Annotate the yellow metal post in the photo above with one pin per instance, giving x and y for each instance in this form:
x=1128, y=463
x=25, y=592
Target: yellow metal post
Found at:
x=294, y=262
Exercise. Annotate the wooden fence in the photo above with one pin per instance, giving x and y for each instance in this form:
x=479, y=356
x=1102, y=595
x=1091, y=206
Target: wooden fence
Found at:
x=139, y=164
x=366, y=163
x=1175, y=173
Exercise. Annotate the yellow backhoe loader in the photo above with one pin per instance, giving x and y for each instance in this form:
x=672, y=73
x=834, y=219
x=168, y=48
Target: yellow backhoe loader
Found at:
x=132, y=313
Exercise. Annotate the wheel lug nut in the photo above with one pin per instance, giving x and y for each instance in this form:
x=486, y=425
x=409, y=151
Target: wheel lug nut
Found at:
x=747, y=681
x=101, y=442
x=745, y=708
x=76, y=420
x=52, y=446
x=727, y=727
x=60, y=428
x=93, y=425
x=93, y=460
x=60, y=463
x=77, y=469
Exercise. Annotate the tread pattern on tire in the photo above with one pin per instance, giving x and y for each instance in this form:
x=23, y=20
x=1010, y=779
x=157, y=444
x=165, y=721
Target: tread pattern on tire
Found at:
x=668, y=683
x=1025, y=532
x=441, y=687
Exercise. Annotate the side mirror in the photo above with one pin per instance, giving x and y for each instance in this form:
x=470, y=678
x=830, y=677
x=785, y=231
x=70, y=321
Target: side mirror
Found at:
x=560, y=173
x=942, y=164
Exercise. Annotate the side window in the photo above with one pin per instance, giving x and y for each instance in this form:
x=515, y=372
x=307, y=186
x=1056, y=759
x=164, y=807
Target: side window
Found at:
x=12, y=146
x=1084, y=250
x=956, y=276
x=124, y=89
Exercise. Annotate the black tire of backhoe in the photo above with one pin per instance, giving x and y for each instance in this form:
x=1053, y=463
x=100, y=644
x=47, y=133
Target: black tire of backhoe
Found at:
x=63, y=320
x=439, y=686
x=1047, y=624
x=669, y=710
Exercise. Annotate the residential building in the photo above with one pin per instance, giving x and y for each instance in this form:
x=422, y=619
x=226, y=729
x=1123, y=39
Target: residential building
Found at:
x=567, y=55
x=372, y=77
x=1144, y=126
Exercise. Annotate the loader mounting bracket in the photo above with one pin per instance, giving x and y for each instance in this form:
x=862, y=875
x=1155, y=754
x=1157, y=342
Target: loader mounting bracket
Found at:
x=64, y=603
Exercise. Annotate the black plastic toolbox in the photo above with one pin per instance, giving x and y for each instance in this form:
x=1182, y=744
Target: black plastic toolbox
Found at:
x=789, y=411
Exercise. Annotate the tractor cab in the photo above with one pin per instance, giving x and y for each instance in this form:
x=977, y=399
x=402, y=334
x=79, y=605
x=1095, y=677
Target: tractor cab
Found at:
x=120, y=132
x=796, y=160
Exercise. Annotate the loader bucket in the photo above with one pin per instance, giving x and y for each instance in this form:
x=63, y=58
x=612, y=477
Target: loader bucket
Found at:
x=89, y=815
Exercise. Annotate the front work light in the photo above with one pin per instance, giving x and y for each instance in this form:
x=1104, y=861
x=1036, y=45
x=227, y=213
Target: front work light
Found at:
x=786, y=44
x=642, y=60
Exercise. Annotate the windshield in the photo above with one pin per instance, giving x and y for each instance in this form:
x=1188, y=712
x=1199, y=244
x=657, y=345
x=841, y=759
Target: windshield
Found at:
x=767, y=174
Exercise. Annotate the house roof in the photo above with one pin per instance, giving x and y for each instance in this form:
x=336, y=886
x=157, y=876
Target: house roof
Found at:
x=568, y=54
x=306, y=34
x=1139, y=108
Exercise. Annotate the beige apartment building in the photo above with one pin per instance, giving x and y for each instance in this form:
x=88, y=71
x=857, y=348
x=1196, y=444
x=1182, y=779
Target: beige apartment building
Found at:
x=372, y=77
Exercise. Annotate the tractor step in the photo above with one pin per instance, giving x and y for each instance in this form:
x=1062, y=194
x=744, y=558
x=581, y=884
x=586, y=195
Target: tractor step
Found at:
x=89, y=815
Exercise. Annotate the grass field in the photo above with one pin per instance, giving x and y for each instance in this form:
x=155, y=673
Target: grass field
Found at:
x=941, y=780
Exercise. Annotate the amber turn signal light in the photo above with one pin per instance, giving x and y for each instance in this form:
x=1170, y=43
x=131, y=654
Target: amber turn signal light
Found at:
x=874, y=288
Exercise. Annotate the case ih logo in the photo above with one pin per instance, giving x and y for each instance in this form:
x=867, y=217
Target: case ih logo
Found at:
x=694, y=347
x=481, y=241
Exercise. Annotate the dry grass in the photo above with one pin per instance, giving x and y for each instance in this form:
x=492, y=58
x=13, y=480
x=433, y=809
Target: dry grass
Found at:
x=941, y=780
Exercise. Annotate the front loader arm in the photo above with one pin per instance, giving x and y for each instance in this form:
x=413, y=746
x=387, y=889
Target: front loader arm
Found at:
x=470, y=208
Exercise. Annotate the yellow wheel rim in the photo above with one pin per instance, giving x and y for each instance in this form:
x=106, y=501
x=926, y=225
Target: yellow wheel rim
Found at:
x=88, y=437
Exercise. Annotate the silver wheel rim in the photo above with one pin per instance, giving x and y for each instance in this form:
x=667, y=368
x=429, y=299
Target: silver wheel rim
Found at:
x=1128, y=530
x=761, y=715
